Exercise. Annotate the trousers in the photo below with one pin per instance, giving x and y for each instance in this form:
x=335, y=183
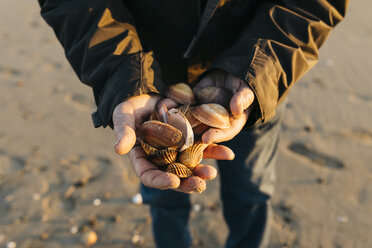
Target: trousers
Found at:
x=247, y=184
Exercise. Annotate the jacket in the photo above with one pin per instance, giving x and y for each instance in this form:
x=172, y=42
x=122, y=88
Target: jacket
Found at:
x=123, y=48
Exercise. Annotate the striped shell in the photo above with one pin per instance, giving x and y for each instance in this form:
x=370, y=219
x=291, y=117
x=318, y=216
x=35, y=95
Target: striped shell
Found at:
x=162, y=135
x=179, y=170
x=181, y=93
x=192, y=156
x=159, y=157
x=212, y=114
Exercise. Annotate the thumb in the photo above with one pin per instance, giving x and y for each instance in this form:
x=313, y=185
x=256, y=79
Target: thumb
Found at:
x=241, y=101
x=124, y=128
x=125, y=139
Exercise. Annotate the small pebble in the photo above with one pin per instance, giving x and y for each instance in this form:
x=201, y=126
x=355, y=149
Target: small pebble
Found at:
x=44, y=235
x=138, y=240
x=117, y=218
x=321, y=180
x=74, y=230
x=196, y=207
x=93, y=221
x=21, y=83
x=36, y=197
x=329, y=62
x=137, y=199
x=89, y=238
x=342, y=219
x=83, y=196
x=44, y=218
x=68, y=193
x=107, y=195
x=11, y=244
x=97, y=202
x=9, y=198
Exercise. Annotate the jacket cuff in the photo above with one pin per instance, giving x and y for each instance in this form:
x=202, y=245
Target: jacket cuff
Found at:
x=139, y=74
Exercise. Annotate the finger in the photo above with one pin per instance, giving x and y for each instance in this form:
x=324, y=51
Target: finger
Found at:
x=241, y=101
x=219, y=152
x=125, y=115
x=192, y=185
x=124, y=128
x=205, y=172
x=149, y=174
x=125, y=139
x=215, y=135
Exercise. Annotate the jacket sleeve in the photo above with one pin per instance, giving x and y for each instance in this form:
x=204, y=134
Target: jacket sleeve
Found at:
x=103, y=48
x=278, y=47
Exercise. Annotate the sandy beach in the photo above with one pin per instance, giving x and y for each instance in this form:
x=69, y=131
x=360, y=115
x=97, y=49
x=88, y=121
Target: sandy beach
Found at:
x=60, y=177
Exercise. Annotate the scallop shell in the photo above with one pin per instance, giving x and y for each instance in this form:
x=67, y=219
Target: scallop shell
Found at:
x=159, y=157
x=148, y=149
x=192, y=156
x=164, y=157
x=212, y=114
x=181, y=93
x=162, y=135
x=179, y=170
x=179, y=121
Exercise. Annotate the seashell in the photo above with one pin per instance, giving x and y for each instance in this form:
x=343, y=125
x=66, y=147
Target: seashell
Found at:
x=181, y=93
x=212, y=114
x=164, y=157
x=193, y=122
x=179, y=121
x=179, y=170
x=214, y=94
x=184, y=108
x=154, y=116
x=159, y=157
x=162, y=135
x=89, y=238
x=192, y=156
x=147, y=148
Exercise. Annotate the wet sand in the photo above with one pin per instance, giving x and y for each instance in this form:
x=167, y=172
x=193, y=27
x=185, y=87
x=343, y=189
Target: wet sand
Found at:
x=60, y=178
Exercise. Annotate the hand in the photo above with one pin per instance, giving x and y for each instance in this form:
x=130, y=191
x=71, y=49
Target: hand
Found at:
x=241, y=104
x=127, y=117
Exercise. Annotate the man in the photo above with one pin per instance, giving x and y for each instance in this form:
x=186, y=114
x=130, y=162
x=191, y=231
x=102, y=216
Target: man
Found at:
x=129, y=51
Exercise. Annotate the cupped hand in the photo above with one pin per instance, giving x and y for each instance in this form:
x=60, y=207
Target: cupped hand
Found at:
x=127, y=118
x=241, y=104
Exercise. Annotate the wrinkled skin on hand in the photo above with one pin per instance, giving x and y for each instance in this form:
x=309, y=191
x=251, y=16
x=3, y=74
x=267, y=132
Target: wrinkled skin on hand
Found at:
x=241, y=104
x=127, y=118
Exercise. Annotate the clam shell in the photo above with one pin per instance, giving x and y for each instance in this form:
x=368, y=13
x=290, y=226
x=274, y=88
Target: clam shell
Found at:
x=214, y=94
x=148, y=149
x=212, y=114
x=162, y=135
x=179, y=121
x=192, y=156
x=164, y=157
x=159, y=157
x=179, y=170
x=181, y=93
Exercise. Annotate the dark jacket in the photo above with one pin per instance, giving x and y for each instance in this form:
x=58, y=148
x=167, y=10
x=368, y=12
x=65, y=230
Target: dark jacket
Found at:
x=123, y=48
